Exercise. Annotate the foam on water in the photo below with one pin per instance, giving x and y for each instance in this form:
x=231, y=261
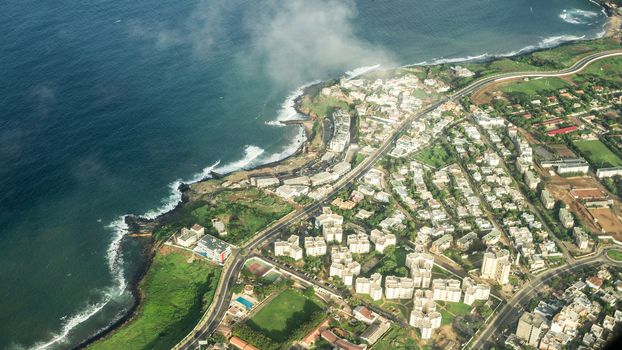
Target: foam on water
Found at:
x=351, y=74
x=288, y=107
x=577, y=16
x=251, y=153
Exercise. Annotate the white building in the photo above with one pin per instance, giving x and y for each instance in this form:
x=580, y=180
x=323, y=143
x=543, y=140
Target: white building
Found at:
x=331, y=225
x=291, y=191
x=315, y=246
x=446, y=290
x=382, y=240
x=263, y=182
x=566, y=218
x=398, y=287
x=424, y=315
x=358, y=243
x=420, y=265
x=496, y=265
x=474, y=291
x=290, y=248
x=343, y=266
x=371, y=286
x=189, y=237
x=581, y=239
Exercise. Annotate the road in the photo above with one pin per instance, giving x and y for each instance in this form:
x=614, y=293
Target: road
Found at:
x=220, y=304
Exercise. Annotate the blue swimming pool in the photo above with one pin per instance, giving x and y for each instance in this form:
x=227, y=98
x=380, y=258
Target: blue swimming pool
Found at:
x=247, y=304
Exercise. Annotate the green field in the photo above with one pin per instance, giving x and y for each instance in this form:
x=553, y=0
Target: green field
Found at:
x=609, y=69
x=450, y=310
x=397, y=338
x=322, y=105
x=535, y=87
x=175, y=295
x=436, y=156
x=615, y=254
x=598, y=154
x=286, y=318
x=284, y=314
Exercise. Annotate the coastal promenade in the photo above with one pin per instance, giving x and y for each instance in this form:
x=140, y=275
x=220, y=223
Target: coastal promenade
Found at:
x=234, y=265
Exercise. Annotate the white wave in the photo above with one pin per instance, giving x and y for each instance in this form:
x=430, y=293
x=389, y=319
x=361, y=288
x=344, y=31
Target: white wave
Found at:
x=360, y=71
x=73, y=321
x=251, y=153
x=577, y=16
x=545, y=43
x=288, y=108
x=288, y=150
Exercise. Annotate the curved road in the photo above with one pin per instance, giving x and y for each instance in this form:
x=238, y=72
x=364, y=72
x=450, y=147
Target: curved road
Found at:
x=234, y=265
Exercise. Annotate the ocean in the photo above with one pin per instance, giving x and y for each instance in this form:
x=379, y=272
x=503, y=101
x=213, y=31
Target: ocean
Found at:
x=107, y=105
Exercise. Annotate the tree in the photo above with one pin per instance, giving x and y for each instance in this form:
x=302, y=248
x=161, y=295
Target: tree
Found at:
x=309, y=292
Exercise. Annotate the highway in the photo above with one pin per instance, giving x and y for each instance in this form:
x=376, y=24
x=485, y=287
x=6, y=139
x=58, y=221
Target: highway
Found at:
x=235, y=262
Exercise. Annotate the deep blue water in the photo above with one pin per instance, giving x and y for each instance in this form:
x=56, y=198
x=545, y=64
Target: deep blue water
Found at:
x=105, y=103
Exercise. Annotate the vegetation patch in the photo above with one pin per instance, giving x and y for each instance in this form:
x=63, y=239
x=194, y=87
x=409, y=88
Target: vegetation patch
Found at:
x=615, y=254
x=436, y=156
x=175, y=295
x=598, y=154
x=534, y=87
x=288, y=317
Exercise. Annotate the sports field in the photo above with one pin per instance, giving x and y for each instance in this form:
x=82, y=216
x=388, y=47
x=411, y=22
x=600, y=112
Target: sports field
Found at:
x=598, y=154
x=283, y=315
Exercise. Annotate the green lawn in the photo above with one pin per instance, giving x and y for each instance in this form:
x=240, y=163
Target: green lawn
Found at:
x=284, y=314
x=436, y=156
x=615, y=254
x=323, y=105
x=535, y=87
x=598, y=154
x=397, y=338
x=609, y=69
x=176, y=293
x=450, y=310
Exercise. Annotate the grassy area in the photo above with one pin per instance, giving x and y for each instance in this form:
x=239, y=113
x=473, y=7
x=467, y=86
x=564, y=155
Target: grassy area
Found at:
x=436, y=156
x=450, y=310
x=615, y=254
x=397, y=338
x=176, y=293
x=535, y=87
x=609, y=69
x=322, y=105
x=598, y=154
x=244, y=213
x=283, y=314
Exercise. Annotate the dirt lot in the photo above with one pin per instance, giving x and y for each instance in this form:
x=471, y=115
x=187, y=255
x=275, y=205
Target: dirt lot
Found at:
x=608, y=220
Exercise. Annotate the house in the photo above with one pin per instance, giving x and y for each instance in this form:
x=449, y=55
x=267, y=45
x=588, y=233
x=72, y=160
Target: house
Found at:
x=290, y=248
x=213, y=249
x=365, y=315
x=594, y=282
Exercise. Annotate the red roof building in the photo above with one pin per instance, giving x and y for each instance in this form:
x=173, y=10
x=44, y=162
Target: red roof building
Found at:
x=562, y=131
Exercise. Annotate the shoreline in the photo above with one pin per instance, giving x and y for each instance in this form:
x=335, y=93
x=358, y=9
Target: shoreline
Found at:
x=138, y=224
